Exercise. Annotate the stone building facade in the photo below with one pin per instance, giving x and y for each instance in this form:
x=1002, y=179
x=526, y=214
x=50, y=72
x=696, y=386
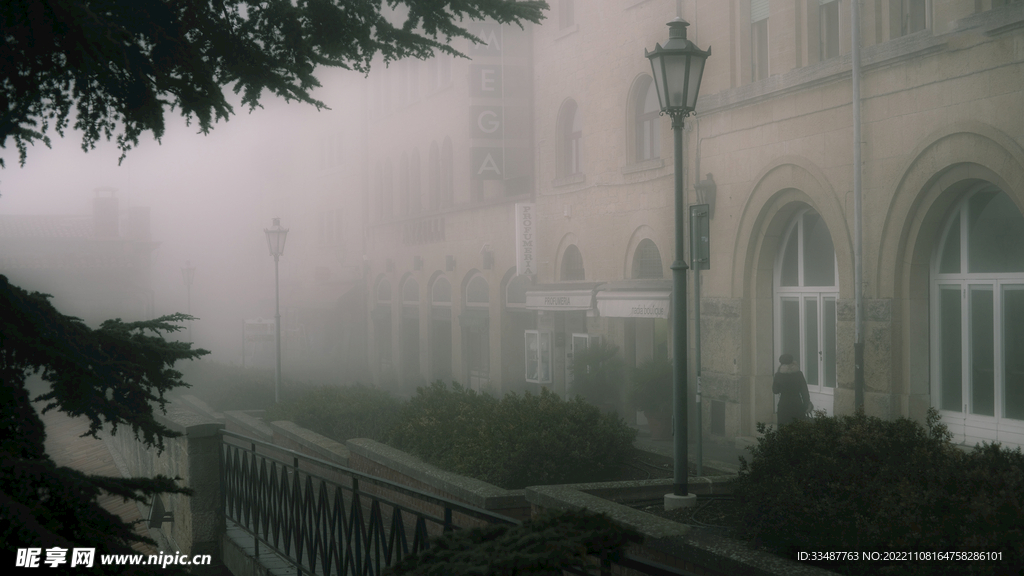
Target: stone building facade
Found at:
x=770, y=150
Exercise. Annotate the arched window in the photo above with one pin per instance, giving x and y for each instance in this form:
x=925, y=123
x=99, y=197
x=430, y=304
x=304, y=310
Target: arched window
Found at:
x=647, y=261
x=806, y=290
x=646, y=115
x=572, y=264
x=570, y=131
x=515, y=292
x=977, y=304
x=441, y=294
x=477, y=292
x=411, y=293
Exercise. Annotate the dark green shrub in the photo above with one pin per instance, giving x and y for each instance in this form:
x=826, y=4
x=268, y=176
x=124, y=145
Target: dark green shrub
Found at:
x=859, y=483
x=652, y=385
x=515, y=442
x=598, y=373
x=340, y=412
x=544, y=545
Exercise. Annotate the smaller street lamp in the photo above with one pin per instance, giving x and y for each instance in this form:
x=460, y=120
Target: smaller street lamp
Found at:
x=187, y=275
x=275, y=241
x=678, y=67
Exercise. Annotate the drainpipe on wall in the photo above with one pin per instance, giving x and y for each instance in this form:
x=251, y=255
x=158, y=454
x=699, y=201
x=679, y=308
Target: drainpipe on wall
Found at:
x=858, y=270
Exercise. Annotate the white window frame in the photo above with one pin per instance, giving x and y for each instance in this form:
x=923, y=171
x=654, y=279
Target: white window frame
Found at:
x=541, y=355
x=821, y=395
x=968, y=427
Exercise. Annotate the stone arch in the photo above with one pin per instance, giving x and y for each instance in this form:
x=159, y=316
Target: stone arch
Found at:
x=780, y=190
x=439, y=274
x=936, y=175
x=643, y=232
x=403, y=284
x=567, y=240
x=465, y=285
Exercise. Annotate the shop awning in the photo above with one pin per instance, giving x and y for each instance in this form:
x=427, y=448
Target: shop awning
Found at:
x=564, y=297
x=635, y=299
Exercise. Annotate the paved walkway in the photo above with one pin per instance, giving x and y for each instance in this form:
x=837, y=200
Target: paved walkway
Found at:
x=718, y=454
x=65, y=444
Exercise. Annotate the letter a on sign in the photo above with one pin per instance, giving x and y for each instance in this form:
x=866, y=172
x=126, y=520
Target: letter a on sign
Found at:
x=488, y=163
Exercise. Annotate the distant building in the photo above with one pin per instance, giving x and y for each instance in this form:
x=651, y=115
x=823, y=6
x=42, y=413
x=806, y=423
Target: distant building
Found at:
x=560, y=121
x=97, y=266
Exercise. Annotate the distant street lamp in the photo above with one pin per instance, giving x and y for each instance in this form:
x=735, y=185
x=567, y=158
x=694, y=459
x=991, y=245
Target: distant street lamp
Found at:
x=275, y=241
x=187, y=275
x=678, y=67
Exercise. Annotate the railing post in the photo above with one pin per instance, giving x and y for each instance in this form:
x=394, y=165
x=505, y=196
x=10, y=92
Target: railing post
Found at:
x=255, y=503
x=447, y=519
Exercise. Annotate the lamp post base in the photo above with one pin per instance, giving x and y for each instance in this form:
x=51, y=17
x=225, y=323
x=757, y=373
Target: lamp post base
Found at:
x=675, y=501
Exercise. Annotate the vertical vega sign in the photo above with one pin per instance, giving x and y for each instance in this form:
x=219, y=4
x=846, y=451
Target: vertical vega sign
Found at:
x=526, y=239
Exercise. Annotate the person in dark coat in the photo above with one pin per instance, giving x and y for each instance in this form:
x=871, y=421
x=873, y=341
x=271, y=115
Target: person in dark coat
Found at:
x=789, y=383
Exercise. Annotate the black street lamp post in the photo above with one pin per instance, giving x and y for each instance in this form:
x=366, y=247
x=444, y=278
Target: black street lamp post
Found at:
x=678, y=67
x=275, y=241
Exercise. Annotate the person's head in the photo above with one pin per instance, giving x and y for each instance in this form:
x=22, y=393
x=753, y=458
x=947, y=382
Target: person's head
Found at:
x=786, y=359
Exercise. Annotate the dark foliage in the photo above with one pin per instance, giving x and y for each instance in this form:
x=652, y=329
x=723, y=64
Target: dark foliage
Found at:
x=514, y=442
x=859, y=483
x=120, y=64
x=544, y=545
x=652, y=385
x=598, y=373
x=113, y=375
x=341, y=412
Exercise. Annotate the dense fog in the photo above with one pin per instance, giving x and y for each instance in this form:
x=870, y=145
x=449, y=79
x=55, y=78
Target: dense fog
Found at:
x=209, y=199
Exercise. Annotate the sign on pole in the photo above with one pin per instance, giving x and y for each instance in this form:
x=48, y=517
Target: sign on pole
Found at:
x=700, y=237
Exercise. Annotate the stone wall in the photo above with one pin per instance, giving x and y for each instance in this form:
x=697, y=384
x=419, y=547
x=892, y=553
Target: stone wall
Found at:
x=193, y=457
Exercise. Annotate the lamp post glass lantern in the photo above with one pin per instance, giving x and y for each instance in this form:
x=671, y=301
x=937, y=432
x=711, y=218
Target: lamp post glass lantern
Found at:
x=678, y=67
x=275, y=241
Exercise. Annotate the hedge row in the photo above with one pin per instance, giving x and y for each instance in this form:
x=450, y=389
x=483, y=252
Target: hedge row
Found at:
x=514, y=442
x=859, y=483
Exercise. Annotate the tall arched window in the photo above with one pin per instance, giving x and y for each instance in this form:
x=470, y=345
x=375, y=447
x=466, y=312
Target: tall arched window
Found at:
x=977, y=305
x=647, y=260
x=410, y=335
x=646, y=114
x=572, y=264
x=570, y=131
x=806, y=289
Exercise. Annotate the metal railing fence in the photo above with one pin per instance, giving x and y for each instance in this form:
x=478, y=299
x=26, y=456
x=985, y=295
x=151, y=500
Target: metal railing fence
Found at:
x=332, y=520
